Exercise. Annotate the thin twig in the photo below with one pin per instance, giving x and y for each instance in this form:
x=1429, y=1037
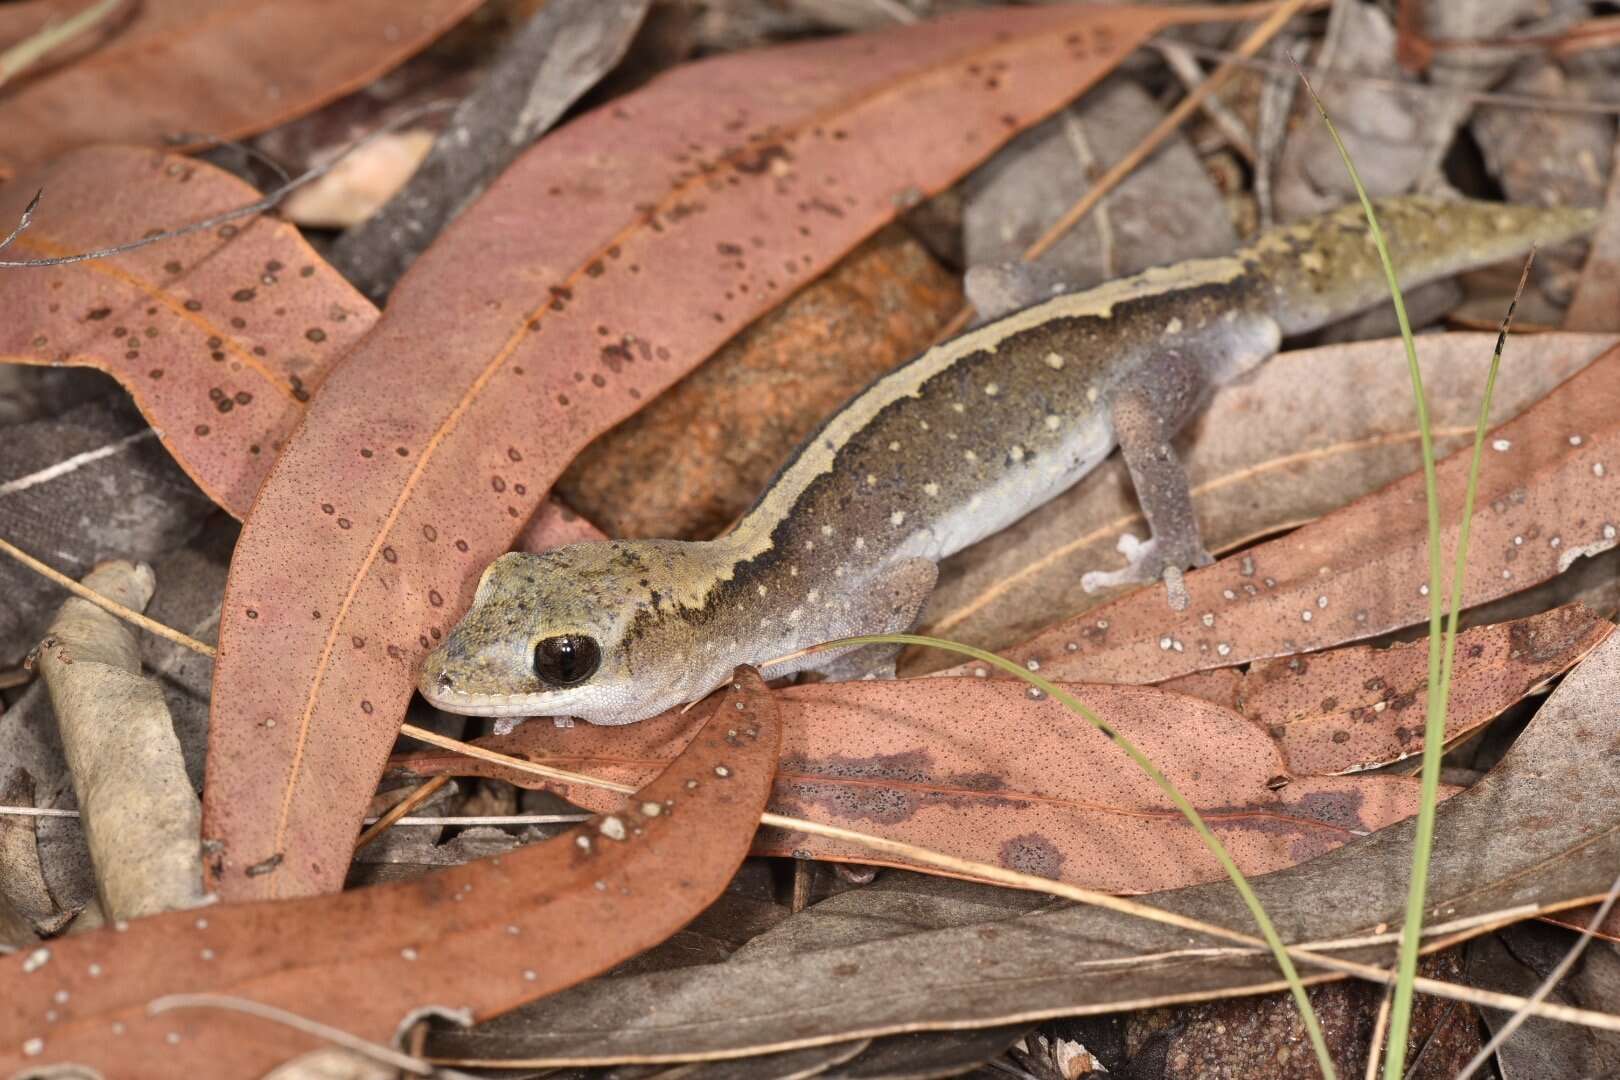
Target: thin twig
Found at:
x=456, y=821
x=1380, y=1027
x=335, y=1036
x=29, y=51
x=1554, y=977
x=1186, y=68
x=1166, y=127
x=258, y=206
x=112, y=606
x=15, y=677
x=1439, y=90
x=24, y=221
x=416, y=798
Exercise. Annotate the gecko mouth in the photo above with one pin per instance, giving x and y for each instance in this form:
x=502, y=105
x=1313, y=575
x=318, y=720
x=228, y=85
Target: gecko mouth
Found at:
x=466, y=703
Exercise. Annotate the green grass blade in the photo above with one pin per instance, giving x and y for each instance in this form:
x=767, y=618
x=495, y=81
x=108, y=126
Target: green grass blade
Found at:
x=1440, y=655
x=1268, y=931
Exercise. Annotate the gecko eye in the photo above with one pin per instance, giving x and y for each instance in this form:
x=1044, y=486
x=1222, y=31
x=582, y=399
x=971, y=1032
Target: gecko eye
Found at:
x=567, y=660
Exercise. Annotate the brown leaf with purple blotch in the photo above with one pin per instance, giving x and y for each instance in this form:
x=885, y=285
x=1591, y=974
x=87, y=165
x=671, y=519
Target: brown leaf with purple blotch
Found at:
x=479, y=938
x=608, y=261
x=1358, y=708
x=978, y=769
x=1549, y=493
x=192, y=69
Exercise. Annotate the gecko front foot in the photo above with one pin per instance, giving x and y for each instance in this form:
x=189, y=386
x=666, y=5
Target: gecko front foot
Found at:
x=1146, y=562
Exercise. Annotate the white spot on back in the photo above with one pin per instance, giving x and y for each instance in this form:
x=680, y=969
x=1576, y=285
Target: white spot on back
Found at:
x=1054, y=361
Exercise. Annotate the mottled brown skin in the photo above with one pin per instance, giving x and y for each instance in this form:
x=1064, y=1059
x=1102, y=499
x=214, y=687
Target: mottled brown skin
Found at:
x=939, y=453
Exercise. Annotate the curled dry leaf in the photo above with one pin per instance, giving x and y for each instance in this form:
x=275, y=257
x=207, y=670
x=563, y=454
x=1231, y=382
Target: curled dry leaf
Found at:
x=139, y=813
x=1301, y=437
x=604, y=264
x=1549, y=493
x=1358, y=708
x=190, y=68
x=1557, y=790
x=221, y=337
x=977, y=769
x=479, y=938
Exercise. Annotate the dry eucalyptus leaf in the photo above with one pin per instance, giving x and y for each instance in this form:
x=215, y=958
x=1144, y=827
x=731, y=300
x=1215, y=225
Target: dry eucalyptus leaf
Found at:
x=1518, y=959
x=1542, y=828
x=26, y=907
x=140, y=815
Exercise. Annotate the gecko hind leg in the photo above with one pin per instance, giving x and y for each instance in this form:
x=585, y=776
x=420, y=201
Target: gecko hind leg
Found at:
x=1148, y=411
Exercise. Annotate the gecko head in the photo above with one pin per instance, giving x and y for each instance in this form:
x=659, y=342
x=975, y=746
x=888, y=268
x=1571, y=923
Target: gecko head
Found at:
x=556, y=635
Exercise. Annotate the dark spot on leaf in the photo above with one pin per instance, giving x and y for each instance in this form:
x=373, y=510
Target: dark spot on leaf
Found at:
x=243, y=397
x=172, y=267
x=366, y=707
x=242, y=296
x=401, y=451
x=345, y=523
x=97, y=314
x=201, y=429
x=430, y=533
x=193, y=305
x=1032, y=853
x=358, y=641
x=156, y=373
x=435, y=599
x=461, y=545
x=390, y=555
x=497, y=483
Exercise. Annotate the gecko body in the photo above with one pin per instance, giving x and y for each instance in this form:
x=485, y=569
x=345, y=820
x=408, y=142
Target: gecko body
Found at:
x=939, y=453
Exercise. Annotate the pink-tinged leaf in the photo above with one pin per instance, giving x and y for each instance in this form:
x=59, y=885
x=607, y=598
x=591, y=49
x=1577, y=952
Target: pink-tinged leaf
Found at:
x=220, y=336
x=484, y=937
x=1358, y=708
x=198, y=68
x=606, y=263
x=978, y=769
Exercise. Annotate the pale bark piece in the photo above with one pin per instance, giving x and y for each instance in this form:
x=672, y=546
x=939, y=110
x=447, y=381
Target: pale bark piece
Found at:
x=1306, y=434
x=1549, y=494
x=139, y=813
x=566, y=47
x=978, y=769
x=1557, y=790
x=1358, y=708
x=604, y=264
x=470, y=941
x=200, y=68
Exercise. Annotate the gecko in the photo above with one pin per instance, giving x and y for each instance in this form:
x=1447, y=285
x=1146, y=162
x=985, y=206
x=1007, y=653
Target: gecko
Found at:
x=939, y=453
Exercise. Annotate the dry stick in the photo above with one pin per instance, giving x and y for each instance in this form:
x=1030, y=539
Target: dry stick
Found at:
x=1380, y=1028
x=1186, y=68
x=1163, y=130
x=336, y=1036
x=498, y=819
x=15, y=677
x=258, y=206
x=1477, y=97
x=422, y=794
x=112, y=606
x=29, y=51
x=1554, y=977
x=938, y=860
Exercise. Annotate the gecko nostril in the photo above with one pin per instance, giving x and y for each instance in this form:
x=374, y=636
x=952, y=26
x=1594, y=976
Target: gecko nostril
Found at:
x=445, y=681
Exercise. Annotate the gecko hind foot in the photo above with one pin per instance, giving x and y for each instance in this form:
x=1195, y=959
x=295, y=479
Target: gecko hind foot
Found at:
x=1146, y=562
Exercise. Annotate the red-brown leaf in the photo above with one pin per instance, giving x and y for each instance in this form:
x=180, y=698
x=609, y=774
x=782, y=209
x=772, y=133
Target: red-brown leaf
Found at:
x=1358, y=708
x=163, y=320
x=1549, y=492
x=220, y=336
x=222, y=68
x=607, y=262
x=483, y=937
x=975, y=768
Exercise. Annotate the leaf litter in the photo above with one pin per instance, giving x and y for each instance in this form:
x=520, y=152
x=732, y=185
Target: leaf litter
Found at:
x=421, y=481
x=1560, y=637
